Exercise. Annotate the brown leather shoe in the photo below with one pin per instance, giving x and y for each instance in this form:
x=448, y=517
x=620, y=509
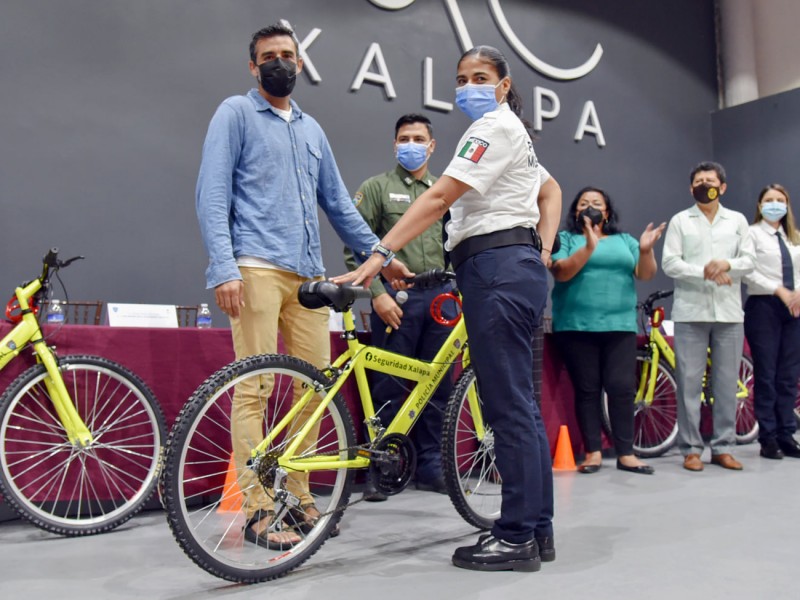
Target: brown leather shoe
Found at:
x=692, y=462
x=726, y=461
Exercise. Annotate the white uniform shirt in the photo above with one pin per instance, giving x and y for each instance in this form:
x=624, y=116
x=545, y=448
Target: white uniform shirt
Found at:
x=691, y=242
x=768, y=273
x=495, y=158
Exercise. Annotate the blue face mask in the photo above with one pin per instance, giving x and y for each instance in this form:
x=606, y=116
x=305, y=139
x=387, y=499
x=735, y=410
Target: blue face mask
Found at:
x=475, y=100
x=773, y=211
x=411, y=155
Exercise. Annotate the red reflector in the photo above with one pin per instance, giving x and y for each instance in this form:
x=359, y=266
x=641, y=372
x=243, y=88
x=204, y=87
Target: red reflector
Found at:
x=658, y=316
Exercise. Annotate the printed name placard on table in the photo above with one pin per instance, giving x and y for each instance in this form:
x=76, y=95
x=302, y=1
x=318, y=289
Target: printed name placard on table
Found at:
x=142, y=315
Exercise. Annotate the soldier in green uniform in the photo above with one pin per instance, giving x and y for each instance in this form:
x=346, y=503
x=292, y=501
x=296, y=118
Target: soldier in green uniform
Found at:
x=382, y=200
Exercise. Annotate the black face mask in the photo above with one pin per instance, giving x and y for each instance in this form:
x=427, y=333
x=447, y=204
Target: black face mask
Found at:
x=595, y=216
x=278, y=77
x=705, y=193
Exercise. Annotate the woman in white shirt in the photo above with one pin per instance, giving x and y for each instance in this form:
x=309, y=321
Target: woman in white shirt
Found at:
x=505, y=213
x=771, y=322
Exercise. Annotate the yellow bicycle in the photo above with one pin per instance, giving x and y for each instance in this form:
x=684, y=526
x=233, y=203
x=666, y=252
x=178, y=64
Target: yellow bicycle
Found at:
x=656, y=403
x=299, y=403
x=80, y=436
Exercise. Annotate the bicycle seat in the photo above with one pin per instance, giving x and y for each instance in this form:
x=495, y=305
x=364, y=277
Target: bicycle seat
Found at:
x=316, y=294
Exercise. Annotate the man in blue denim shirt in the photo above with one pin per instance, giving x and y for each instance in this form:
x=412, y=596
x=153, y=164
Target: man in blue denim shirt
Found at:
x=266, y=167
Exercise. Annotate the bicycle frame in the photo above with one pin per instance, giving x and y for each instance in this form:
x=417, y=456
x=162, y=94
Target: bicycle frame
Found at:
x=357, y=359
x=28, y=331
x=658, y=347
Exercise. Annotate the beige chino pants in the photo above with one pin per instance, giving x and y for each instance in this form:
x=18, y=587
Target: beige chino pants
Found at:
x=271, y=306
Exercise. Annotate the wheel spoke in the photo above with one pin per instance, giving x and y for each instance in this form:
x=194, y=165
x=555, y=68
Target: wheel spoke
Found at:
x=469, y=463
x=75, y=490
x=208, y=496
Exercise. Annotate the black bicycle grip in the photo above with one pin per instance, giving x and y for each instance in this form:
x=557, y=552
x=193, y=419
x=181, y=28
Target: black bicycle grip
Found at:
x=432, y=278
x=51, y=258
x=662, y=295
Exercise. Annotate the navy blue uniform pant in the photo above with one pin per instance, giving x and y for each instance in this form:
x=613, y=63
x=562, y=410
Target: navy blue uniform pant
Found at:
x=774, y=338
x=504, y=293
x=421, y=337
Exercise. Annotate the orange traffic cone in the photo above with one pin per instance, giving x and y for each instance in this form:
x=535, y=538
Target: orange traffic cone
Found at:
x=231, y=500
x=564, y=460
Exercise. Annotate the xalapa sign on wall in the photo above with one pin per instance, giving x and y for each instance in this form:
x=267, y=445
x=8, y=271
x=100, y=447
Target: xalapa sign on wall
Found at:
x=373, y=68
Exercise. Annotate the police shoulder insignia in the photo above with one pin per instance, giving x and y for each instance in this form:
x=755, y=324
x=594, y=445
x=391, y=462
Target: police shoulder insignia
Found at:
x=357, y=199
x=473, y=149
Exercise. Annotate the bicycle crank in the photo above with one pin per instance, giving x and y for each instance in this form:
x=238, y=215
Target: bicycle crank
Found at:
x=393, y=463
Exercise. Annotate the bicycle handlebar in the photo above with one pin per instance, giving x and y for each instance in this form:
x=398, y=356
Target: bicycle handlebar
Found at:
x=647, y=305
x=316, y=294
x=660, y=295
x=432, y=278
x=657, y=296
x=51, y=258
x=319, y=293
x=50, y=261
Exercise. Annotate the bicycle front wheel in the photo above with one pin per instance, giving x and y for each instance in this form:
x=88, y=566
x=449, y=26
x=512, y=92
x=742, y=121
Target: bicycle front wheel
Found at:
x=65, y=488
x=468, y=460
x=655, y=424
x=208, y=495
x=746, y=422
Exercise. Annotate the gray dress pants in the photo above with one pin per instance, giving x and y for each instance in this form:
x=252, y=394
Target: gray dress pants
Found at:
x=692, y=339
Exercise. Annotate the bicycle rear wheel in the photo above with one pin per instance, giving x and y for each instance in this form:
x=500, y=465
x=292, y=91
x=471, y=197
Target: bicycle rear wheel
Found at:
x=468, y=460
x=655, y=425
x=71, y=490
x=746, y=422
x=201, y=483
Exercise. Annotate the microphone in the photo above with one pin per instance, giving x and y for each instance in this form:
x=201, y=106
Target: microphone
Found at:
x=400, y=298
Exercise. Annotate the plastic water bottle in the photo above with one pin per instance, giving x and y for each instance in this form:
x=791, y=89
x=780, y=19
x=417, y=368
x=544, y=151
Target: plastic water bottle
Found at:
x=203, y=317
x=55, y=313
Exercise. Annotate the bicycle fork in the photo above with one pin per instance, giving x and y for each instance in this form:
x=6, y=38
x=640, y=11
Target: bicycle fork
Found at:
x=77, y=432
x=647, y=381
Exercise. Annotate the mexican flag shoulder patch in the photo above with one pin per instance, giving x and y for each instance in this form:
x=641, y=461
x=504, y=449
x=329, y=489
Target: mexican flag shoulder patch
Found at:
x=473, y=149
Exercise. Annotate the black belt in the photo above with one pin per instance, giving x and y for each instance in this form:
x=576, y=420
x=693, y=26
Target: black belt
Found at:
x=496, y=239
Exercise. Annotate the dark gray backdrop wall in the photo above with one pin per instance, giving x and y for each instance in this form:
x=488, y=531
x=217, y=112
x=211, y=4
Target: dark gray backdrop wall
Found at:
x=758, y=143
x=105, y=107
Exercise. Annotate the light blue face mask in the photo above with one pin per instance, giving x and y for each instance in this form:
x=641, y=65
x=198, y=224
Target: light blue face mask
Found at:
x=475, y=100
x=411, y=155
x=773, y=211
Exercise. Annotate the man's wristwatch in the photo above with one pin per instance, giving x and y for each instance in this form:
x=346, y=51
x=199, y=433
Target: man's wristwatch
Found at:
x=387, y=254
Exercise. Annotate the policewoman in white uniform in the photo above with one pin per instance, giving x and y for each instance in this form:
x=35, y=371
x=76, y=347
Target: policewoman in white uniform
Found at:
x=505, y=209
x=772, y=321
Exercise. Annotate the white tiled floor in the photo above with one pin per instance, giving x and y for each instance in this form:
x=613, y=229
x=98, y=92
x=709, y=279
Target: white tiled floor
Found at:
x=709, y=535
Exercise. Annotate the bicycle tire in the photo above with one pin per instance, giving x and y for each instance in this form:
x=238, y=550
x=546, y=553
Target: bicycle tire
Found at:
x=80, y=491
x=470, y=473
x=655, y=426
x=746, y=422
x=199, y=470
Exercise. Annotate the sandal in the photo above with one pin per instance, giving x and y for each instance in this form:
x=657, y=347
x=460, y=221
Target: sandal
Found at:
x=262, y=538
x=300, y=519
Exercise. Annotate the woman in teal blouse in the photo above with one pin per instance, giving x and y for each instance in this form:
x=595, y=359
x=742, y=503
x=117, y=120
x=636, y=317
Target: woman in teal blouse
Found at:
x=594, y=319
